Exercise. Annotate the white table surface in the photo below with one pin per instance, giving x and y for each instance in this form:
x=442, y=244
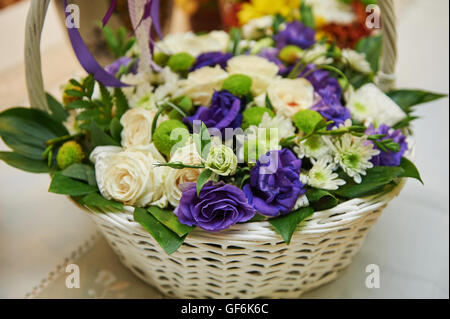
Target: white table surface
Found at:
x=410, y=242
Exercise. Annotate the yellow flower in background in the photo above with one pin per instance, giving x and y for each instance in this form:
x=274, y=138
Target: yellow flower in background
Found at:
x=260, y=8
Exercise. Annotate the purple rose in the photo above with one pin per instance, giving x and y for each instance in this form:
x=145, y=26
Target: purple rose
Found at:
x=296, y=33
x=212, y=59
x=330, y=106
x=275, y=183
x=114, y=67
x=218, y=206
x=321, y=79
x=223, y=112
x=388, y=158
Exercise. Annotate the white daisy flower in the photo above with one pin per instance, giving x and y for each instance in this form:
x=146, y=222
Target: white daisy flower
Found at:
x=258, y=28
x=282, y=124
x=356, y=60
x=370, y=104
x=143, y=97
x=321, y=175
x=314, y=147
x=169, y=86
x=353, y=155
x=316, y=54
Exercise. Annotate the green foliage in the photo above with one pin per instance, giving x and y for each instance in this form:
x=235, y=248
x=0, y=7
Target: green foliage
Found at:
x=162, y=137
x=69, y=153
x=100, y=138
x=181, y=62
x=238, y=84
x=67, y=186
x=202, y=180
x=202, y=141
x=170, y=220
x=253, y=116
x=235, y=39
x=374, y=181
x=410, y=170
x=371, y=47
x=287, y=224
x=97, y=201
x=277, y=23
x=118, y=41
x=321, y=199
x=168, y=240
x=407, y=99
x=58, y=113
x=26, y=132
x=81, y=172
x=24, y=163
x=307, y=15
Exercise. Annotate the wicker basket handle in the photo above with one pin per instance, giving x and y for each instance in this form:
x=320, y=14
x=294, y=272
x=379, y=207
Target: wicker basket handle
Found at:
x=38, y=9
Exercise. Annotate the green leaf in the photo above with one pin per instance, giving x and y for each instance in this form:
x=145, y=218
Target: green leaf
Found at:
x=321, y=199
x=74, y=93
x=65, y=185
x=96, y=200
x=202, y=180
x=405, y=122
x=406, y=99
x=106, y=98
x=121, y=103
x=268, y=103
x=235, y=37
x=168, y=240
x=375, y=179
x=307, y=15
x=23, y=163
x=27, y=130
x=170, y=220
x=277, y=22
x=371, y=47
x=59, y=114
x=89, y=84
x=410, y=170
x=308, y=121
x=116, y=129
x=82, y=172
x=79, y=104
x=202, y=141
x=287, y=224
x=100, y=138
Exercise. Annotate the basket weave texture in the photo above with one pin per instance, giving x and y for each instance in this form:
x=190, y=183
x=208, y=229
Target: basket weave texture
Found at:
x=248, y=260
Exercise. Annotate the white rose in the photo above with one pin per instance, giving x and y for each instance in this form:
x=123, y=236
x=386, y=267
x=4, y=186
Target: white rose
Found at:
x=169, y=84
x=332, y=11
x=201, y=84
x=129, y=176
x=195, y=44
x=176, y=177
x=370, y=104
x=259, y=69
x=356, y=60
x=288, y=96
x=258, y=28
x=137, y=126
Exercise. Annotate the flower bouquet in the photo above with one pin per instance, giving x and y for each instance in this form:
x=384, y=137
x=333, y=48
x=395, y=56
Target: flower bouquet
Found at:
x=212, y=160
x=343, y=21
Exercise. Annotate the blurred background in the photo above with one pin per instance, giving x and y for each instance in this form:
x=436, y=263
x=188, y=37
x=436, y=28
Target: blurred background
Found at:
x=39, y=230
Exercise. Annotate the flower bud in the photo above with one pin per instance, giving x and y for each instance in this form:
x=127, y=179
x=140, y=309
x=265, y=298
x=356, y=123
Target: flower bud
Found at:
x=290, y=54
x=238, y=84
x=69, y=98
x=253, y=116
x=163, y=139
x=70, y=153
x=181, y=62
x=221, y=160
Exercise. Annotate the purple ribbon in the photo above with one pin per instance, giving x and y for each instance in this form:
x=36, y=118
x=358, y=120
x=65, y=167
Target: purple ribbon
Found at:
x=87, y=60
x=109, y=12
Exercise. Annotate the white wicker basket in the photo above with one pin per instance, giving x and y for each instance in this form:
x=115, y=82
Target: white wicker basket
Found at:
x=248, y=260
